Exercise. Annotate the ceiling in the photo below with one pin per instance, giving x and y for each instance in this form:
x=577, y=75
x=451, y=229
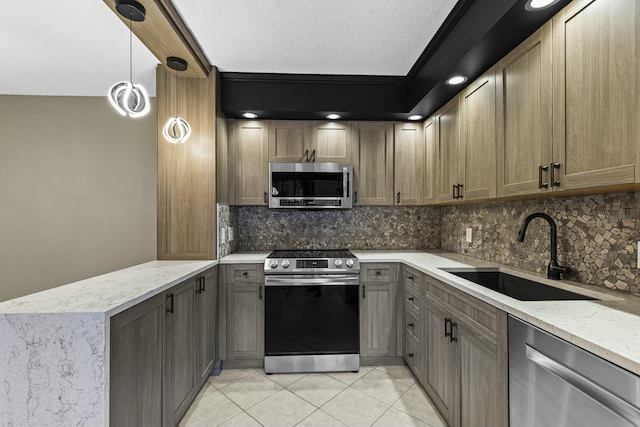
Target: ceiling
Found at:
x=296, y=59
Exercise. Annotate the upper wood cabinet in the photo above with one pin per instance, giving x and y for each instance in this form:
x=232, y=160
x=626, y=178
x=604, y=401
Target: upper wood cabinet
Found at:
x=447, y=122
x=289, y=141
x=596, y=93
x=250, y=146
x=430, y=165
x=523, y=116
x=331, y=142
x=408, y=164
x=373, y=163
x=187, y=172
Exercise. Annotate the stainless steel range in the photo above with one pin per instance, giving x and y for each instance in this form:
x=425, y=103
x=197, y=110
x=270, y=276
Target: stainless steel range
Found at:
x=312, y=321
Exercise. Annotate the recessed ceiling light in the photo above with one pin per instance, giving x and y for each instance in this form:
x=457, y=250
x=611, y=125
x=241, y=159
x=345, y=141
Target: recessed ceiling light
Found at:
x=456, y=80
x=415, y=117
x=333, y=116
x=250, y=115
x=533, y=5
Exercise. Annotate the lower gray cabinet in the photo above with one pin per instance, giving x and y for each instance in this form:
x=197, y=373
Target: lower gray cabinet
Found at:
x=205, y=320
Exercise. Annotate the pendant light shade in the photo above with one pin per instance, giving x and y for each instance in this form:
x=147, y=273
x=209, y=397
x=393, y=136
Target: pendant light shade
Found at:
x=128, y=98
x=176, y=129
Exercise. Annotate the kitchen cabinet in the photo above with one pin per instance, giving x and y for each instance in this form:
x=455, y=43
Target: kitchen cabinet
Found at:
x=466, y=370
x=447, y=122
x=187, y=172
x=524, y=116
x=251, y=152
x=373, y=163
x=596, y=94
x=409, y=163
x=290, y=141
x=378, y=310
x=430, y=165
x=414, y=302
x=244, y=328
x=206, y=302
x=331, y=142
x=136, y=365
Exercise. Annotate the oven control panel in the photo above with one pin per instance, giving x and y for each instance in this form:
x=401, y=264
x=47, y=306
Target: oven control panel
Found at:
x=306, y=266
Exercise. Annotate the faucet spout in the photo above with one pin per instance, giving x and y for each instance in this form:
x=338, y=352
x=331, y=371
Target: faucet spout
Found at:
x=554, y=269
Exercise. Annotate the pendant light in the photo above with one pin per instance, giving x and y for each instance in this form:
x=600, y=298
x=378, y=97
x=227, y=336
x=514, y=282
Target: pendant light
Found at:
x=176, y=129
x=126, y=97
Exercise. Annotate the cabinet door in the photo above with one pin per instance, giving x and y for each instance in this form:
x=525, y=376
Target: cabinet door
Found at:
x=331, y=142
x=596, y=95
x=440, y=373
x=289, y=141
x=252, y=162
x=373, y=163
x=524, y=116
x=429, y=176
x=245, y=321
x=448, y=148
x=135, y=392
x=409, y=163
x=179, y=351
x=187, y=172
x=478, y=140
x=483, y=371
x=205, y=323
x=378, y=319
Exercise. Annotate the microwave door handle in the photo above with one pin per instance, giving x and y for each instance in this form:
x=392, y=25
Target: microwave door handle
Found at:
x=345, y=181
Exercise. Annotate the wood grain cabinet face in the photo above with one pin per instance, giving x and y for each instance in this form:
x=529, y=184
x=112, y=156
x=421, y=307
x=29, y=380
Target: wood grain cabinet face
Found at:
x=289, y=141
x=378, y=310
x=447, y=121
x=596, y=95
x=251, y=149
x=373, y=163
x=409, y=163
x=430, y=165
x=331, y=142
x=206, y=302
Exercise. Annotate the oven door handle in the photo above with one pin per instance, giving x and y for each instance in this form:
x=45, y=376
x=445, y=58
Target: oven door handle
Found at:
x=312, y=280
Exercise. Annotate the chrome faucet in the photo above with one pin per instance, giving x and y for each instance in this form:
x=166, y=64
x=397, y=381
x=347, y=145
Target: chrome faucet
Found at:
x=554, y=269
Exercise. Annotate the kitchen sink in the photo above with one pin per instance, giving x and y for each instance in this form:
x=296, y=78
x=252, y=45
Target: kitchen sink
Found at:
x=517, y=287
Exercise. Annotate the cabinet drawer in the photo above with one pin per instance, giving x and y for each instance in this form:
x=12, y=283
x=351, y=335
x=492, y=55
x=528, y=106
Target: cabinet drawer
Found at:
x=378, y=272
x=413, y=356
x=412, y=325
x=412, y=297
x=413, y=277
x=245, y=273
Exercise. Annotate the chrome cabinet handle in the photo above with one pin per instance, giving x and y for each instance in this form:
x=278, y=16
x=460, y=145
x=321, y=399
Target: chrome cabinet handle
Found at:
x=595, y=391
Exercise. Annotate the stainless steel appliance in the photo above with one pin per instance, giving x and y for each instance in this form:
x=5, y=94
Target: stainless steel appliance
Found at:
x=310, y=185
x=312, y=321
x=553, y=383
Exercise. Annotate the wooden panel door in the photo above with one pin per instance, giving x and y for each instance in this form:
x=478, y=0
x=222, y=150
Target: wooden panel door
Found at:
x=524, y=116
x=409, y=163
x=429, y=177
x=440, y=369
x=179, y=351
x=187, y=172
x=135, y=392
x=596, y=95
x=289, y=141
x=331, y=142
x=205, y=323
x=448, y=148
x=252, y=162
x=245, y=321
x=378, y=319
x=373, y=163
x=478, y=139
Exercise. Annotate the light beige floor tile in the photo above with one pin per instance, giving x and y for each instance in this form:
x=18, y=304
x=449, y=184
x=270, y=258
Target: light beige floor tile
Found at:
x=229, y=376
x=396, y=418
x=382, y=386
x=250, y=390
x=283, y=409
x=351, y=377
x=355, y=408
x=416, y=403
x=317, y=389
x=286, y=379
x=206, y=389
x=241, y=420
x=210, y=411
x=320, y=419
x=399, y=371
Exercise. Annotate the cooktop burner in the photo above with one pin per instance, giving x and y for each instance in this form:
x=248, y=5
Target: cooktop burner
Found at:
x=310, y=253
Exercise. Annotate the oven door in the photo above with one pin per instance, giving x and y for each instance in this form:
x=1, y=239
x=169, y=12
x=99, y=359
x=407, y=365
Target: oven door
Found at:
x=311, y=315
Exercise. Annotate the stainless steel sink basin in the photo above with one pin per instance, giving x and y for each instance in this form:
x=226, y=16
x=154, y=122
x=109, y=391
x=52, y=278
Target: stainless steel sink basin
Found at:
x=517, y=287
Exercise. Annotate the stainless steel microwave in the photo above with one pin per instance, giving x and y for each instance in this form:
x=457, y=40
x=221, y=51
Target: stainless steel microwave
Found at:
x=311, y=185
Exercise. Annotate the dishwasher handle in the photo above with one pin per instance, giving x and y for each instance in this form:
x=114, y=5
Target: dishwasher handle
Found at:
x=595, y=391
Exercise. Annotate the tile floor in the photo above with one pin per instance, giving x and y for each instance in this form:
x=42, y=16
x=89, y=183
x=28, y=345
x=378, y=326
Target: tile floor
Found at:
x=382, y=396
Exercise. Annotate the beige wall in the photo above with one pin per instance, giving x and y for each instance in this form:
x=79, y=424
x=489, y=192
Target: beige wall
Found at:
x=77, y=191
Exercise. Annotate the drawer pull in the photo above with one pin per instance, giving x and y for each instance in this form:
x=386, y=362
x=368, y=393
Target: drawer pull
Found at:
x=410, y=355
x=410, y=325
x=411, y=278
x=411, y=299
x=378, y=273
x=244, y=273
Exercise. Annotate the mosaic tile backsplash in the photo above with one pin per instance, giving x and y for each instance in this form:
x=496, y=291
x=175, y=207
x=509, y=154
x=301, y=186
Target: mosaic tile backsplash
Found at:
x=261, y=228
x=227, y=217
x=597, y=236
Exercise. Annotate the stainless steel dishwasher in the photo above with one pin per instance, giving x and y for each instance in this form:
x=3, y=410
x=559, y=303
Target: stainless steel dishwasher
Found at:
x=553, y=383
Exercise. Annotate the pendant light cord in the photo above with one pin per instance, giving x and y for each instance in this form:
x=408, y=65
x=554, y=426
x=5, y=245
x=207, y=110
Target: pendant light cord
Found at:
x=177, y=92
x=130, y=47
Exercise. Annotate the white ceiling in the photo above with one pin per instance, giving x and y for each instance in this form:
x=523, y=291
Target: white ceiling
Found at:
x=49, y=48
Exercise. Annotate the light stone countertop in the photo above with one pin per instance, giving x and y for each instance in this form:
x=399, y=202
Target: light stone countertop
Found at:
x=609, y=328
